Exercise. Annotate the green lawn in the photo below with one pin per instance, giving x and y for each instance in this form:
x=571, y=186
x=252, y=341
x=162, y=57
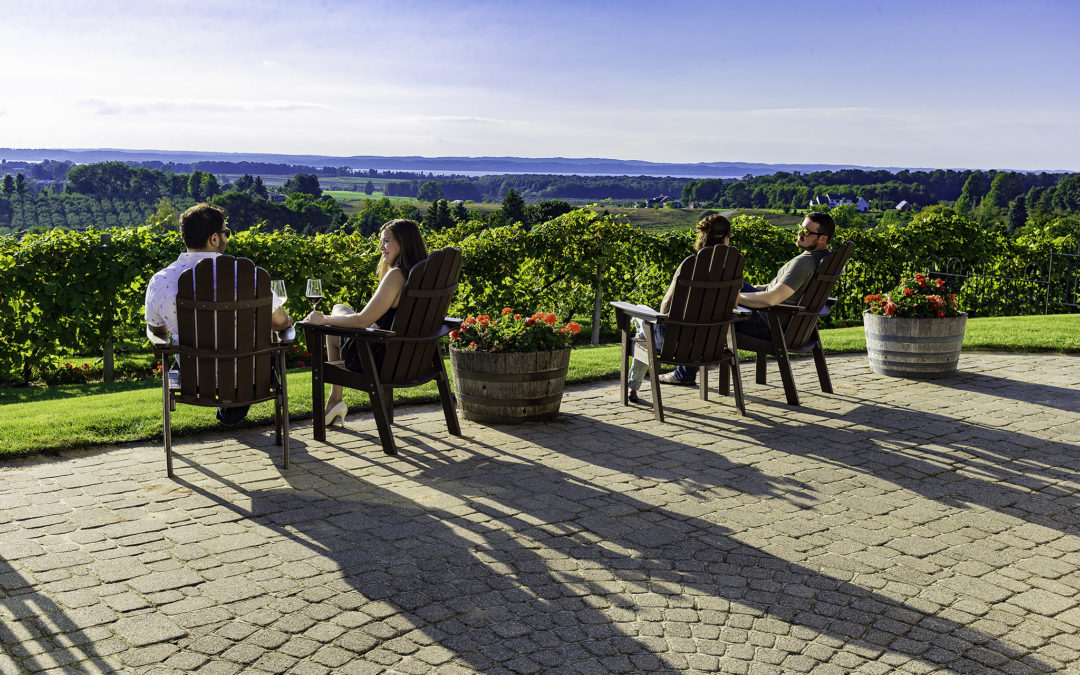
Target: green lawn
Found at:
x=51, y=419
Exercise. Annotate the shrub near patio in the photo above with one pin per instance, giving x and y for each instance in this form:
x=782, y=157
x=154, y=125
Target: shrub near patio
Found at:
x=66, y=294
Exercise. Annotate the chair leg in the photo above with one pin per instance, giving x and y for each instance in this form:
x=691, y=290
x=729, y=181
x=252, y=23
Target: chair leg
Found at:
x=784, y=362
x=318, y=404
x=283, y=393
x=382, y=420
x=166, y=405
x=447, y=399
x=624, y=374
x=277, y=421
x=378, y=400
x=703, y=383
x=388, y=401
x=762, y=359
x=723, y=381
x=654, y=369
x=822, y=367
x=736, y=378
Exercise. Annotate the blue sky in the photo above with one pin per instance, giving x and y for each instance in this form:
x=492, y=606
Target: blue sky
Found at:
x=920, y=84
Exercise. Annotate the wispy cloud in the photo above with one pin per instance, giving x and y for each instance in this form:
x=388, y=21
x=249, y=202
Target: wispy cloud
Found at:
x=828, y=113
x=148, y=106
x=460, y=119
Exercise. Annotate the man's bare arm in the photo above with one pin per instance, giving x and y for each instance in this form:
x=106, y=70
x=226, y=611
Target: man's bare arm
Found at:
x=773, y=296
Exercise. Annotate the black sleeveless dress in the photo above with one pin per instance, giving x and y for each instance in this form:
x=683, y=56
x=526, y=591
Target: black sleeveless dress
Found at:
x=350, y=356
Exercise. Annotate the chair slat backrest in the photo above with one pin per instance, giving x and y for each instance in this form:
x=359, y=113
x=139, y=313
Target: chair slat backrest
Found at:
x=801, y=328
x=706, y=292
x=223, y=308
x=424, y=302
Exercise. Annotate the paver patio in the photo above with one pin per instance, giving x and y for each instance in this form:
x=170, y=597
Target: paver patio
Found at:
x=893, y=526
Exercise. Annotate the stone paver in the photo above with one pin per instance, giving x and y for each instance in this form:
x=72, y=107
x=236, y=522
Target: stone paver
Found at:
x=893, y=526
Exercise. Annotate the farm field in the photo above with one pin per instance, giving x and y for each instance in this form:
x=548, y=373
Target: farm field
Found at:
x=679, y=220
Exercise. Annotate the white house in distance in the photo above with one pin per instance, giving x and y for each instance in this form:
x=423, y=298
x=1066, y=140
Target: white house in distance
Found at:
x=832, y=201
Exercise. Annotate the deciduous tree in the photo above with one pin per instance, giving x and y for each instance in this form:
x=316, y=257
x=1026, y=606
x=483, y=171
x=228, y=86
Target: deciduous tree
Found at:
x=1067, y=194
x=430, y=191
x=304, y=183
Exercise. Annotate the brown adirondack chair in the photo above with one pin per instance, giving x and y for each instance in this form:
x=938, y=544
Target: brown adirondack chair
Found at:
x=698, y=328
x=412, y=354
x=794, y=328
x=223, y=308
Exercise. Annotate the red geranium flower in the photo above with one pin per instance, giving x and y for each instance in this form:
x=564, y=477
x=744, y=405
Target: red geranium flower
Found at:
x=507, y=310
x=573, y=327
x=455, y=334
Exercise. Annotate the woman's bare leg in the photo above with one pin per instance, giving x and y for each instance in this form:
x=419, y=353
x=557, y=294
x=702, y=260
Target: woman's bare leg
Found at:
x=333, y=353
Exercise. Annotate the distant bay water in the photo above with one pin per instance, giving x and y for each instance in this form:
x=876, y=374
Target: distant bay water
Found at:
x=461, y=166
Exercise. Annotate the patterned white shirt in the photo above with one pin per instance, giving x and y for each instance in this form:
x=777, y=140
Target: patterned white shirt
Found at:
x=160, y=306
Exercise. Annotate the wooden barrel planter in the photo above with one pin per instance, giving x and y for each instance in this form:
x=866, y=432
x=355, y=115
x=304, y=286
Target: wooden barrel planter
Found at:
x=916, y=348
x=509, y=388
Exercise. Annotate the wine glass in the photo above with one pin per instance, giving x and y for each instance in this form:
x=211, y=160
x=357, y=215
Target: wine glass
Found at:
x=314, y=292
x=277, y=287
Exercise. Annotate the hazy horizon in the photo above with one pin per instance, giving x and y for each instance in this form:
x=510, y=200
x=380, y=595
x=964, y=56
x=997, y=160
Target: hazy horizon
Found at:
x=918, y=84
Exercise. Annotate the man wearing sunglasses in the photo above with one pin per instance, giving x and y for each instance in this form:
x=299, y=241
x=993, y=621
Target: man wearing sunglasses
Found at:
x=787, y=286
x=205, y=234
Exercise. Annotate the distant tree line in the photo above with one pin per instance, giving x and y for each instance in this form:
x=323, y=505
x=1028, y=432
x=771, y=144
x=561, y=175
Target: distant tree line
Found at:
x=882, y=189
x=115, y=194
x=539, y=187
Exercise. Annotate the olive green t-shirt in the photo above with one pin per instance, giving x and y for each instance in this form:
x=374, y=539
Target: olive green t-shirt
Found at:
x=797, y=272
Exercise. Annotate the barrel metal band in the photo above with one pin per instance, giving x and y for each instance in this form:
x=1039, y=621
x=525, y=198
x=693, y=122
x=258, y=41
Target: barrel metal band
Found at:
x=534, y=376
x=508, y=419
x=906, y=338
x=500, y=402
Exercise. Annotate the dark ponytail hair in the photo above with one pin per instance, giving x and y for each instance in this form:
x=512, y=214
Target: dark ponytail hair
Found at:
x=712, y=230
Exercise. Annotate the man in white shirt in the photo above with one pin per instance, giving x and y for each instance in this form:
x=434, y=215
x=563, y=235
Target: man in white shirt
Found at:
x=205, y=235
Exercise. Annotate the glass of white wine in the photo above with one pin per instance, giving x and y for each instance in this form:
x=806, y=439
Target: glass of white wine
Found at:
x=277, y=287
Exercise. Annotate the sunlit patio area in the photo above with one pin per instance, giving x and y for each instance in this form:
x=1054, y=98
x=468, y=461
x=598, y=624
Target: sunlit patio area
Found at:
x=895, y=525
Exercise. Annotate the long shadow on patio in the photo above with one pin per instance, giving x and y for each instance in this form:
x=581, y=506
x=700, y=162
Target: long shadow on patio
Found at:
x=505, y=560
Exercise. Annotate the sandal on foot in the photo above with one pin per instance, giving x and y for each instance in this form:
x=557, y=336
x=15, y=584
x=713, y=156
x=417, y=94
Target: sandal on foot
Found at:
x=668, y=378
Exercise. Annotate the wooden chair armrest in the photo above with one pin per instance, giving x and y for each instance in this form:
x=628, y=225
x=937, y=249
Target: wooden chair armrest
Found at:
x=357, y=333
x=161, y=345
x=452, y=322
x=783, y=307
x=388, y=336
x=647, y=314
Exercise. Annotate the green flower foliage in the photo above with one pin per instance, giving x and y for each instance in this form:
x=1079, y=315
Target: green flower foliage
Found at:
x=917, y=297
x=513, y=333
